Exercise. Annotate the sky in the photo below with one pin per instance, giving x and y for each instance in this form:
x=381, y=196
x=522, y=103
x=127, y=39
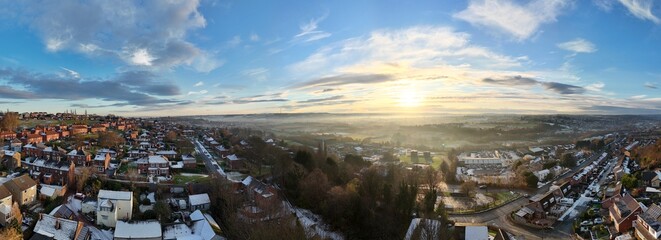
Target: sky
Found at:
x=168, y=58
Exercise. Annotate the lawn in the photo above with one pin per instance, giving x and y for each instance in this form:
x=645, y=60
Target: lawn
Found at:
x=181, y=179
x=436, y=159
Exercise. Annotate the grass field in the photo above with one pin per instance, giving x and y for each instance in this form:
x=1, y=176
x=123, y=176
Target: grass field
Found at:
x=436, y=160
x=180, y=179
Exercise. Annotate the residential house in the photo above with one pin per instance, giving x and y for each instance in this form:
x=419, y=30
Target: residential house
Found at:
x=32, y=138
x=169, y=154
x=656, y=180
x=101, y=162
x=5, y=206
x=97, y=128
x=50, y=136
x=222, y=151
x=199, y=227
x=33, y=150
x=10, y=159
x=23, y=189
x=154, y=165
x=137, y=153
x=189, y=161
x=78, y=129
x=54, y=153
x=113, y=153
x=79, y=157
x=263, y=198
x=64, y=133
x=51, y=227
x=143, y=230
x=199, y=202
x=235, y=162
x=113, y=206
x=7, y=135
x=623, y=210
x=648, y=224
x=51, y=191
x=16, y=145
x=51, y=172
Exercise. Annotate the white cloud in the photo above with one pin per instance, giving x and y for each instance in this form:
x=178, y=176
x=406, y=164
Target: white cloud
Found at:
x=71, y=73
x=578, y=45
x=309, y=32
x=199, y=84
x=141, y=57
x=596, y=87
x=421, y=46
x=254, y=37
x=521, y=21
x=641, y=9
x=638, y=97
x=149, y=33
x=201, y=92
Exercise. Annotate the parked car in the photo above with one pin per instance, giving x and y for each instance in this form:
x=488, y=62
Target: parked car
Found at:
x=598, y=221
x=586, y=223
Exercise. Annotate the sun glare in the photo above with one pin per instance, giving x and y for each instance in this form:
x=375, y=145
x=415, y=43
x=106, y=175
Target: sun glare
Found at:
x=410, y=97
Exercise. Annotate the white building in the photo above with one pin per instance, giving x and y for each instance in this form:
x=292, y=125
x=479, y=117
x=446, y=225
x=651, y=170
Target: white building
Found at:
x=495, y=158
x=147, y=230
x=113, y=206
x=199, y=202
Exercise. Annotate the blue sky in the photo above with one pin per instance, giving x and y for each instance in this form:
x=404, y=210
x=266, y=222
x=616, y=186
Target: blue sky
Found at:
x=149, y=58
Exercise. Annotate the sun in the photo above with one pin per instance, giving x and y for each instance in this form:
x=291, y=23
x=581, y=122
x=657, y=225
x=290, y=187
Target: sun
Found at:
x=410, y=97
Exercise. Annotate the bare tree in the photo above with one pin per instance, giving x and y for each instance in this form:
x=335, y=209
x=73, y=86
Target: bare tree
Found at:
x=10, y=233
x=16, y=212
x=83, y=175
x=9, y=121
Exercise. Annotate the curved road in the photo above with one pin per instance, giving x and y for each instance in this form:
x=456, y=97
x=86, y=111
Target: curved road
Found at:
x=498, y=217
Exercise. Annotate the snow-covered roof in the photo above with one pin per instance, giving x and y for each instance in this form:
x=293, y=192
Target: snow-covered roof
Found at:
x=118, y=195
x=176, y=231
x=201, y=226
x=199, y=199
x=100, y=157
x=154, y=159
x=47, y=191
x=477, y=232
x=232, y=157
x=166, y=152
x=247, y=181
x=432, y=225
x=146, y=229
x=47, y=226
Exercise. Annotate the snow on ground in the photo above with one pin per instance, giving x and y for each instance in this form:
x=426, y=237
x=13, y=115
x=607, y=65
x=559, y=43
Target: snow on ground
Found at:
x=193, y=175
x=313, y=224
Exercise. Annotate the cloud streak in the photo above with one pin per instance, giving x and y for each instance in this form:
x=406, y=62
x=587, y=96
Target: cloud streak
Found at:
x=129, y=88
x=516, y=81
x=578, y=45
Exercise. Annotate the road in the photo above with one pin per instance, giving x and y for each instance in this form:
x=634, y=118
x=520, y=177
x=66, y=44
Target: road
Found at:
x=499, y=217
x=210, y=163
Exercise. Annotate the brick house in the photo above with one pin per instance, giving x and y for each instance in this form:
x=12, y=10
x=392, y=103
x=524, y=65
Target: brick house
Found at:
x=52, y=172
x=78, y=129
x=101, y=162
x=189, y=161
x=33, y=138
x=63, y=133
x=154, y=165
x=97, y=128
x=7, y=135
x=54, y=153
x=623, y=210
x=50, y=136
x=79, y=157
